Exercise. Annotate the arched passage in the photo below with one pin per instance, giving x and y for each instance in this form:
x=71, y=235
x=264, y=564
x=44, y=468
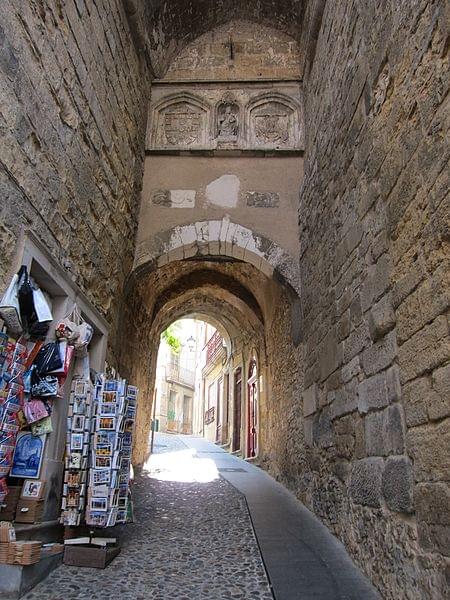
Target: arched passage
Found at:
x=251, y=310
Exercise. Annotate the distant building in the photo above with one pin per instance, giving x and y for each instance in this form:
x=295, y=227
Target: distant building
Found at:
x=175, y=380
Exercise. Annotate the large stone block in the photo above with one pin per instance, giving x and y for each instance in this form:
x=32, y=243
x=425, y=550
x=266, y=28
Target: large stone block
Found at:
x=358, y=339
x=381, y=317
x=365, y=481
x=380, y=355
x=433, y=516
x=373, y=434
x=394, y=388
x=417, y=396
x=429, y=300
x=425, y=350
x=310, y=400
x=377, y=282
x=330, y=355
x=322, y=429
x=385, y=431
x=394, y=429
x=351, y=369
x=398, y=484
x=439, y=402
x=372, y=393
x=428, y=446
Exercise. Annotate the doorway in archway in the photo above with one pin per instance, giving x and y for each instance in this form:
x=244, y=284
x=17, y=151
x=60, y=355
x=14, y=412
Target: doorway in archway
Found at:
x=252, y=410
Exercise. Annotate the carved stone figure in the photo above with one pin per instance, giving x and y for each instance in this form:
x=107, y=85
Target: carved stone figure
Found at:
x=228, y=121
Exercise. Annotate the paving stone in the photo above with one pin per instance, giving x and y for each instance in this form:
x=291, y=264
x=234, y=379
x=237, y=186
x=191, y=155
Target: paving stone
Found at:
x=189, y=540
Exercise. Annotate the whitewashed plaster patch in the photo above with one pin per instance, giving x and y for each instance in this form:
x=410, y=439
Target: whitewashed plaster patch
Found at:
x=224, y=191
x=182, y=198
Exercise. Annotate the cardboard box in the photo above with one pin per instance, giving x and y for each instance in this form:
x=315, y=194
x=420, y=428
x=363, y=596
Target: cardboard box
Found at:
x=29, y=511
x=86, y=555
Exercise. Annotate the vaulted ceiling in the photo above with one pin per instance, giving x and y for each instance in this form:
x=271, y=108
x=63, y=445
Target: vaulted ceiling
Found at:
x=172, y=24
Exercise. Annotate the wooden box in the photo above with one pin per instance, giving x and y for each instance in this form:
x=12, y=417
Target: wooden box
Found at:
x=29, y=511
x=8, y=512
x=87, y=555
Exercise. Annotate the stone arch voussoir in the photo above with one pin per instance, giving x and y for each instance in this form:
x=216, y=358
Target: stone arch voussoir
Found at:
x=218, y=238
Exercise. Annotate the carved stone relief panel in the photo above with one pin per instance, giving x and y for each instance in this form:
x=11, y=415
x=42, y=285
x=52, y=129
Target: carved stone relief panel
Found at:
x=215, y=118
x=179, y=122
x=273, y=123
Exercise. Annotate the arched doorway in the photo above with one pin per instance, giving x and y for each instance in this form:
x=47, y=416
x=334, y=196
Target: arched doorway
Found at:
x=252, y=409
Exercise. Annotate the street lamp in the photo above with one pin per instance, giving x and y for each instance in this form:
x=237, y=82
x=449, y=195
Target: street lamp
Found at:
x=191, y=343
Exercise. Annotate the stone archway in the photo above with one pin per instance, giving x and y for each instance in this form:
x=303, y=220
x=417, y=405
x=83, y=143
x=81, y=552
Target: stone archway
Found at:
x=219, y=238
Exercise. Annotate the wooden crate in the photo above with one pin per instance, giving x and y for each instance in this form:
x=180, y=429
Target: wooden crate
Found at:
x=29, y=511
x=8, y=512
x=87, y=555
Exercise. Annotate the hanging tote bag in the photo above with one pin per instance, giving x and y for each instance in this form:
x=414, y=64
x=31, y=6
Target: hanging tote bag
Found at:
x=26, y=302
x=85, y=333
x=10, y=309
x=41, y=306
x=67, y=328
x=48, y=359
x=40, y=327
x=34, y=411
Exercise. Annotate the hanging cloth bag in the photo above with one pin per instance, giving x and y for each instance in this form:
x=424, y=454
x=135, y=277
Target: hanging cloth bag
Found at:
x=67, y=328
x=44, y=317
x=85, y=333
x=34, y=411
x=26, y=302
x=10, y=309
x=45, y=386
x=48, y=358
x=41, y=306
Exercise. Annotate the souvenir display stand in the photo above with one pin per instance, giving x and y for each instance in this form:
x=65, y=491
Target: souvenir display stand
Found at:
x=77, y=452
x=37, y=354
x=115, y=411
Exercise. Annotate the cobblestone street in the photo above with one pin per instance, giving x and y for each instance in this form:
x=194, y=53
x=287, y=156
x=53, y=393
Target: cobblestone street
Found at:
x=192, y=538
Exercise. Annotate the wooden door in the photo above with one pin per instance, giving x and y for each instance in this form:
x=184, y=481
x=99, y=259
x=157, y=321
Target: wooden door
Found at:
x=252, y=410
x=237, y=406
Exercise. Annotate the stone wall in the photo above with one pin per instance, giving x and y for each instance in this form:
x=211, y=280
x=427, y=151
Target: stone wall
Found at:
x=238, y=50
x=283, y=451
x=374, y=260
x=173, y=24
x=73, y=107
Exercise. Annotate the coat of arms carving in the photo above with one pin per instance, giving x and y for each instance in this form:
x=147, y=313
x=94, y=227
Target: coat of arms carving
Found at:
x=182, y=125
x=272, y=125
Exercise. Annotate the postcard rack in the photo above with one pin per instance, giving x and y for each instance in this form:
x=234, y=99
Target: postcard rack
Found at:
x=77, y=452
x=111, y=442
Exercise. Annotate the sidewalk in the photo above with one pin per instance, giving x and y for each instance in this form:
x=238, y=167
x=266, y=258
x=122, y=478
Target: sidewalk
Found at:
x=303, y=559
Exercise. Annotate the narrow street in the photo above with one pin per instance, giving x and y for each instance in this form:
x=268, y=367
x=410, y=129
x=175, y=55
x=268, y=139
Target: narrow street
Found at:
x=193, y=538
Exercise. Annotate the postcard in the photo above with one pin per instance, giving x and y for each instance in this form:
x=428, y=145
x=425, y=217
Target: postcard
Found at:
x=102, y=462
x=107, y=409
x=106, y=423
x=78, y=422
x=99, y=504
x=76, y=441
x=100, y=477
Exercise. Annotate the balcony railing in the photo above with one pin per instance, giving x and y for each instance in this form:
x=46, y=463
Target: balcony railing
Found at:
x=180, y=375
x=209, y=415
x=213, y=347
